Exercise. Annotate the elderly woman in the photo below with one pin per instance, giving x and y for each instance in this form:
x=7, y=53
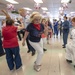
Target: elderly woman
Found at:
x=10, y=43
x=44, y=35
x=35, y=29
x=70, y=47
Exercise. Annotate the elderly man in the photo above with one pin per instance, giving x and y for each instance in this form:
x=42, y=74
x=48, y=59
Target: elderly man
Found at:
x=65, y=31
x=22, y=12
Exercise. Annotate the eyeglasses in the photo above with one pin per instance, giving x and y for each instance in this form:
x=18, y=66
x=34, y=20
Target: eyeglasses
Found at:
x=37, y=19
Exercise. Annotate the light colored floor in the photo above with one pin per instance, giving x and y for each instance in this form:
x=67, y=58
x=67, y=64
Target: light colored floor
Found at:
x=53, y=62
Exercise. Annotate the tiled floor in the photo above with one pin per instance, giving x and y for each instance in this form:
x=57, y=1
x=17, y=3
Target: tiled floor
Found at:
x=53, y=62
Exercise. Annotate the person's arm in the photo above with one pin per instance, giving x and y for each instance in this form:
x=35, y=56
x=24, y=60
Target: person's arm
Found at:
x=25, y=36
x=28, y=30
x=21, y=26
x=73, y=34
x=6, y=14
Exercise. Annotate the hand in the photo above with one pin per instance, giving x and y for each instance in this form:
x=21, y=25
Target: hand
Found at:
x=6, y=14
x=23, y=43
x=20, y=25
x=3, y=10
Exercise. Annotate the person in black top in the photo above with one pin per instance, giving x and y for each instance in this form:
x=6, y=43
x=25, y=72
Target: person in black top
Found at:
x=34, y=30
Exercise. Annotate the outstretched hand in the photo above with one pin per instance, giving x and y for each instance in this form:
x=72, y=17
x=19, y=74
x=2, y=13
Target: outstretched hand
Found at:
x=23, y=43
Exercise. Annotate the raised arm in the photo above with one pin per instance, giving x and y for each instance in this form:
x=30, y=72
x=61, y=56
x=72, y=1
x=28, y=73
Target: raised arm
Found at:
x=6, y=14
x=21, y=26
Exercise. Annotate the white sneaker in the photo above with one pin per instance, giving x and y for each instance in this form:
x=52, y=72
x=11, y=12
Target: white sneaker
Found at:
x=37, y=68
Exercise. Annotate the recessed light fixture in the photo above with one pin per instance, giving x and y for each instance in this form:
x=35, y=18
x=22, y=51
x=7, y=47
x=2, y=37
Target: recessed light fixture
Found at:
x=38, y=1
x=65, y=1
x=12, y=1
x=27, y=8
x=44, y=8
x=72, y=12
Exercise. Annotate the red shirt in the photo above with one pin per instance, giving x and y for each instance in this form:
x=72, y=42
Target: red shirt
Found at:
x=10, y=37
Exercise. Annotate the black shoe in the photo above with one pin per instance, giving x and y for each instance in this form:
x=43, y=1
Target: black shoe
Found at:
x=69, y=61
x=64, y=47
x=74, y=66
x=33, y=53
x=44, y=50
x=70, y=37
x=28, y=51
x=2, y=54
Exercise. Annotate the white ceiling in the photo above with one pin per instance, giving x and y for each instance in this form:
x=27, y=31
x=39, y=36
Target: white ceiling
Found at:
x=52, y=5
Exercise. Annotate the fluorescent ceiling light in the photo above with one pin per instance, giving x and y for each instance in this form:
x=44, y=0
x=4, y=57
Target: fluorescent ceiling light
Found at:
x=12, y=1
x=72, y=12
x=27, y=8
x=44, y=8
x=38, y=1
x=65, y=1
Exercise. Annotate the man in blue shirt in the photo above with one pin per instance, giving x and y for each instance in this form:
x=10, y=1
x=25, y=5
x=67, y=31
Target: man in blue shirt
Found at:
x=65, y=31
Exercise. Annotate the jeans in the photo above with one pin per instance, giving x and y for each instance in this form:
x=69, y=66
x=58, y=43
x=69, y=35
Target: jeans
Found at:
x=13, y=57
x=65, y=36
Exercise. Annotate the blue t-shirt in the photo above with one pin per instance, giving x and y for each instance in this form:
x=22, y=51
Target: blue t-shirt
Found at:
x=66, y=25
x=34, y=34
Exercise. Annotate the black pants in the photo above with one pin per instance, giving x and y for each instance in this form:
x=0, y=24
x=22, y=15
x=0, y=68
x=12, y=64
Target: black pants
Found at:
x=1, y=48
x=65, y=36
x=20, y=32
x=60, y=31
x=19, y=36
x=30, y=48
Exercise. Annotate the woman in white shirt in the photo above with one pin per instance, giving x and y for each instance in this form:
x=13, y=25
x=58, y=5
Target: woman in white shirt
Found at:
x=70, y=47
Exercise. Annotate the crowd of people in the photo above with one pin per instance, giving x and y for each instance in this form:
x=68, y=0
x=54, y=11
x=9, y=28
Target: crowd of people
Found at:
x=36, y=32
